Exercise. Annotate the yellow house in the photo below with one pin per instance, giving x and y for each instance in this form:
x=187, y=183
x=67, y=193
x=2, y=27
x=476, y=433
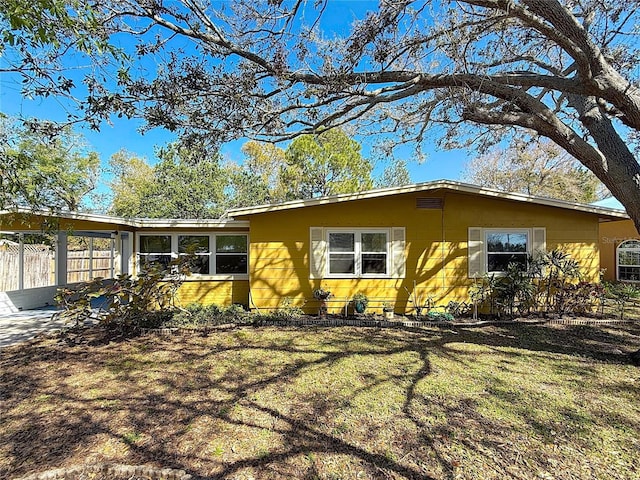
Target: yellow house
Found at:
x=425, y=241
x=620, y=251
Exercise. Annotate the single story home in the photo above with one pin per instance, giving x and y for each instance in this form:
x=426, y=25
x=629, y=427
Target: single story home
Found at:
x=430, y=241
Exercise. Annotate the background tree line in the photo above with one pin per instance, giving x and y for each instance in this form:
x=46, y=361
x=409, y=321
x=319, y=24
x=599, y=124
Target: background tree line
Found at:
x=198, y=183
x=61, y=172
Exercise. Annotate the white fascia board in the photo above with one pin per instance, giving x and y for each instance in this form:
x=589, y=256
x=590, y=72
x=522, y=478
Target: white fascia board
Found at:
x=195, y=223
x=135, y=222
x=425, y=187
x=93, y=217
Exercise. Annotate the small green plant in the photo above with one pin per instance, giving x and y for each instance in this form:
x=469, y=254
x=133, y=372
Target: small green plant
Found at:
x=621, y=293
x=196, y=315
x=482, y=294
x=559, y=272
x=457, y=309
x=131, y=438
x=584, y=297
x=287, y=310
x=360, y=302
x=235, y=313
x=515, y=291
x=435, y=316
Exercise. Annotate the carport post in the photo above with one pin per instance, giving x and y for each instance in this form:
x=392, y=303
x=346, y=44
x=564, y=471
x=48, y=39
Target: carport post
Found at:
x=21, y=261
x=61, y=259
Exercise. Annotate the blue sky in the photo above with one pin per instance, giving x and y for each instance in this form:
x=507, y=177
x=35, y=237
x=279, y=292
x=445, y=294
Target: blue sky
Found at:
x=125, y=134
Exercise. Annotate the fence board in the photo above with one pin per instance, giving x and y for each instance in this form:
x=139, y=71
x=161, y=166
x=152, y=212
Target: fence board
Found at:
x=39, y=267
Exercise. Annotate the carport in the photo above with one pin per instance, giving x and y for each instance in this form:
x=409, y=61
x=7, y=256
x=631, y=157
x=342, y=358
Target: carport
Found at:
x=41, y=252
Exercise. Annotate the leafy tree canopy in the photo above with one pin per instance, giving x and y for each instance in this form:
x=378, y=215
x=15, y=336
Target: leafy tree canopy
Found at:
x=325, y=164
x=40, y=171
x=542, y=169
x=394, y=175
x=181, y=185
x=455, y=72
x=195, y=184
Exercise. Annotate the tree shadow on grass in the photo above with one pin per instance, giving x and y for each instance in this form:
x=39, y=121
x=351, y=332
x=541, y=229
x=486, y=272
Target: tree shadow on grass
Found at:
x=284, y=403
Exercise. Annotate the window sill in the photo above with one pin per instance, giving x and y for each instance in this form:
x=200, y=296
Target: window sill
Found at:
x=339, y=276
x=195, y=277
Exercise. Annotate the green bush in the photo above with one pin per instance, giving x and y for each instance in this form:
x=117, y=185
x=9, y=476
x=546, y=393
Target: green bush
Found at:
x=196, y=315
x=548, y=284
x=434, y=316
x=129, y=303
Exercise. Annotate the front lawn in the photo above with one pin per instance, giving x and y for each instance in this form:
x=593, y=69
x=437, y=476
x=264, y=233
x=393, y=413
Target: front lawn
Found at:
x=508, y=401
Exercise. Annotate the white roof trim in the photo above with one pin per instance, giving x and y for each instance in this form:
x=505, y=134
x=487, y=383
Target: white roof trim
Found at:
x=424, y=187
x=135, y=222
x=228, y=220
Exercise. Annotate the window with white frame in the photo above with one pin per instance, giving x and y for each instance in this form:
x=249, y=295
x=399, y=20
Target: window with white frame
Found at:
x=628, y=261
x=197, y=247
x=231, y=254
x=358, y=252
x=154, y=250
x=491, y=250
x=210, y=254
x=506, y=247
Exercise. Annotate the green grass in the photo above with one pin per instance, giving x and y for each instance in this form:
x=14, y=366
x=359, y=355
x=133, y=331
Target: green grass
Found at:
x=514, y=401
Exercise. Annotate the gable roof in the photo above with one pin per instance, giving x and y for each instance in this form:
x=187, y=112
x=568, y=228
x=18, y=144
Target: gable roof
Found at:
x=449, y=185
x=228, y=219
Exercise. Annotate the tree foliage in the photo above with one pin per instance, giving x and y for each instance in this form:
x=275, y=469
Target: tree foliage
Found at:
x=196, y=184
x=262, y=169
x=560, y=69
x=541, y=169
x=394, y=175
x=461, y=71
x=183, y=184
x=39, y=171
x=327, y=164
x=40, y=39
x=132, y=184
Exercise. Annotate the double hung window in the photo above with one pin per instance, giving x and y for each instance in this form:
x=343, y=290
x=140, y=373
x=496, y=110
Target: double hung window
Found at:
x=358, y=252
x=492, y=250
x=197, y=246
x=231, y=254
x=506, y=247
x=155, y=250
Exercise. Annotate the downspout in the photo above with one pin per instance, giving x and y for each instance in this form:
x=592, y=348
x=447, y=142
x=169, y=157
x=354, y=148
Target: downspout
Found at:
x=442, y=249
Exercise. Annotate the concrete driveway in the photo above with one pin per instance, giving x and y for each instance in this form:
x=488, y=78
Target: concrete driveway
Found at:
x=22, y=326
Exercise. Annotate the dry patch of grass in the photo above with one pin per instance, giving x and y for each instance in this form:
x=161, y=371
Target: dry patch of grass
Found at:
x=509, y=401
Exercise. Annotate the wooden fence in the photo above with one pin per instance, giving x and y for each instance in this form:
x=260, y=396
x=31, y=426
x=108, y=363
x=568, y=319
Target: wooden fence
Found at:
x=79, y=263
x=39, y=266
